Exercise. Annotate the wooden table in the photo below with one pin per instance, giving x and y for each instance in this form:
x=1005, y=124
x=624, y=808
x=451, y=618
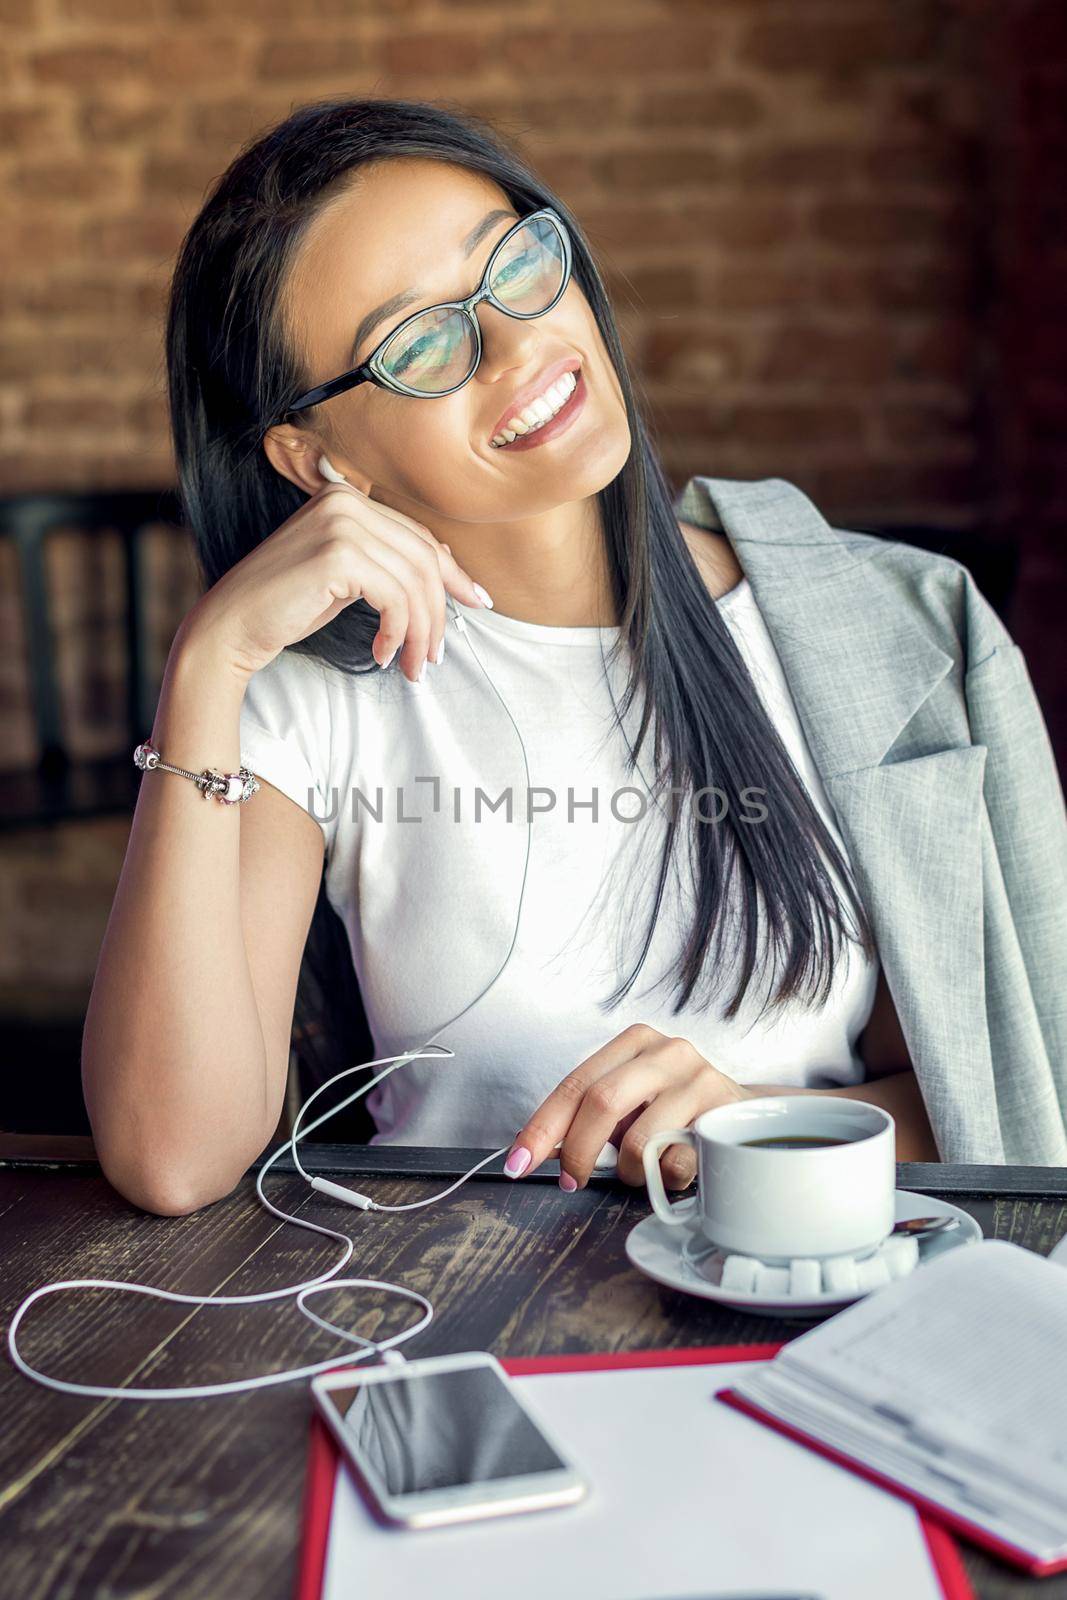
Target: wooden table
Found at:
x=201, y=1499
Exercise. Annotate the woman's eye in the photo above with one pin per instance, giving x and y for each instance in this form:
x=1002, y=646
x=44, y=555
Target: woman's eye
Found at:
x=521, y=263
x=428, y=348
x=413, y=352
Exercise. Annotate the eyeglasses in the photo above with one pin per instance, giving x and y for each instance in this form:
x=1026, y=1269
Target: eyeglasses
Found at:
x=436, y=351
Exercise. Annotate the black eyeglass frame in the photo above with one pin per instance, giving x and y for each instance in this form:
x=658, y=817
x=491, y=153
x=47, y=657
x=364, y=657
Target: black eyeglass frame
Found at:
x=372, y=371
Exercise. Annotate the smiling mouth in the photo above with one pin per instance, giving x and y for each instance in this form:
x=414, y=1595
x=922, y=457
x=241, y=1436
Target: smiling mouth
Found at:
x=540, y=412
x=546, y=428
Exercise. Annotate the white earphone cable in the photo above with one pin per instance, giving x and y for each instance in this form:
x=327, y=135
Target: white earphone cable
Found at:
x=385, y=1348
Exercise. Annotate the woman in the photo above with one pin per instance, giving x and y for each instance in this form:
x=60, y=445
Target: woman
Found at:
x=601, y=776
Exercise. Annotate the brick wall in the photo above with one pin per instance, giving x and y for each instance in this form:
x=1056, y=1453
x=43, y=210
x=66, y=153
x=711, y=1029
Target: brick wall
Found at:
x=789, y=199
x=834, y=233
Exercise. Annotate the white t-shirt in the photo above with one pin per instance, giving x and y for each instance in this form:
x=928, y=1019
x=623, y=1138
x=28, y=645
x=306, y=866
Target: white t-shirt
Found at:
x=426, y=875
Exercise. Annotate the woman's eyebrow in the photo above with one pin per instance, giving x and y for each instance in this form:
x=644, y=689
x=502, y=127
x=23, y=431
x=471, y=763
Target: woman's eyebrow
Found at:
x=407, y=297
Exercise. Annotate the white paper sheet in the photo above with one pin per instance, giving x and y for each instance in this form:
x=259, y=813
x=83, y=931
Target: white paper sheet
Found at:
x=689, y=1498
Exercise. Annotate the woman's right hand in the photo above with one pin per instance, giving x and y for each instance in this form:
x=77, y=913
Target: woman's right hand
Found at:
x=339, y=546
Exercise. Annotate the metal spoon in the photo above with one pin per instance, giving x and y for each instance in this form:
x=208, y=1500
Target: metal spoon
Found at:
x=918, y=1227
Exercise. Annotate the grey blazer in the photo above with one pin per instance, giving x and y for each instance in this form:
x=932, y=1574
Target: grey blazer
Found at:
x=923, y=723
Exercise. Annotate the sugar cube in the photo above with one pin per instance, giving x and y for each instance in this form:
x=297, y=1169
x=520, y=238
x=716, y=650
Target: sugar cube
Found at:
x=739, y=1273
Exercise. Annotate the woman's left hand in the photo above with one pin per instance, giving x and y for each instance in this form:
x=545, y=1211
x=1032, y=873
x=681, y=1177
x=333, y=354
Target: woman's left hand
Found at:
x=639, y=1083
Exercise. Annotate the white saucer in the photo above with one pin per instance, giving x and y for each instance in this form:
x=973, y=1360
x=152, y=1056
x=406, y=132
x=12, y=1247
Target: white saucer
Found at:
x=656, y=1249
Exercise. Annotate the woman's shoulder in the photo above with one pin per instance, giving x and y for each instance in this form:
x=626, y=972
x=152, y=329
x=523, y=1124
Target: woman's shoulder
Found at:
x=292, y=679
x=303, y=677
x=715, y=558
x=290, y=700
x=286, y=731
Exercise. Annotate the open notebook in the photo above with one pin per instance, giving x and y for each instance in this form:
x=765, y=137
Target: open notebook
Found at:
x=950, y=1386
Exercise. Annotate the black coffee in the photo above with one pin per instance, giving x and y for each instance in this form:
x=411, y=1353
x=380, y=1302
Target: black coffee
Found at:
x=793, y=1141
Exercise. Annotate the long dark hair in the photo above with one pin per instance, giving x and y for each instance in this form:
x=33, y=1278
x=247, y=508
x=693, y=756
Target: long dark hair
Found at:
x=232, y=374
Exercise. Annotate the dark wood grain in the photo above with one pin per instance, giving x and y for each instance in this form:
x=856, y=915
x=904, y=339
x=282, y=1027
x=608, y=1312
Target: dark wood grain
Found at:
x=200, y=1499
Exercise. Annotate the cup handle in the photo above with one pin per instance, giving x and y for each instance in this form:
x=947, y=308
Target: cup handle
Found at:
x=682, y=1210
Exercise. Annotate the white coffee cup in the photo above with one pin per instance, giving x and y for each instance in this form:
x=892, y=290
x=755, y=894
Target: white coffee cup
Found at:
x=778, y=1202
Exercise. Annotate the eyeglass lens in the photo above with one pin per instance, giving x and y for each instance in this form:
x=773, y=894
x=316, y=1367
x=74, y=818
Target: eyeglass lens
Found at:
x=438, y=350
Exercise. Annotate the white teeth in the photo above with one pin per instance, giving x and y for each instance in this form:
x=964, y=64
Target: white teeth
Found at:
x=539, y=411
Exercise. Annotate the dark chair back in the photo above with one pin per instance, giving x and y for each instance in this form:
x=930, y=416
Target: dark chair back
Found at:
x=330, y=1028
x=58, y=786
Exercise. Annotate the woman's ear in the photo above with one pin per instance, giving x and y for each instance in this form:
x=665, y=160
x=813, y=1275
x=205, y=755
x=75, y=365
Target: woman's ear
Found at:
x=295, y=457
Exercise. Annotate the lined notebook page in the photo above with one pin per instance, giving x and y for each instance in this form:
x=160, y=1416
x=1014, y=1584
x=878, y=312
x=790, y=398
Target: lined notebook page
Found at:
x=953, y=1382
x=972, y=1347
x=1018, y=1509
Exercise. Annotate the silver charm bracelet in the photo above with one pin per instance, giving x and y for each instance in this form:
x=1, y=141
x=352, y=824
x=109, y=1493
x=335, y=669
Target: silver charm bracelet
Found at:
x=231, y=788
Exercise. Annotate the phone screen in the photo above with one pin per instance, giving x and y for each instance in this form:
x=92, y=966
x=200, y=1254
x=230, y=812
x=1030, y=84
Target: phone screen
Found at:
x=442, y=1430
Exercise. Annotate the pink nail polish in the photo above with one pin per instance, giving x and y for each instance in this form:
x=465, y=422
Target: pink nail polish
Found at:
x=517, y=1162
x=567, y=1183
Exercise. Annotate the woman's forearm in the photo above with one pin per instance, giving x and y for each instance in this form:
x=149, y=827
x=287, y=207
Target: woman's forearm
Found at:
x=173, y=1058
x=899, y=1094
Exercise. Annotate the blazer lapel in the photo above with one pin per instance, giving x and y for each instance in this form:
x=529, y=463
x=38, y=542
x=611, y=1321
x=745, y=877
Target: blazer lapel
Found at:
x=859, y=665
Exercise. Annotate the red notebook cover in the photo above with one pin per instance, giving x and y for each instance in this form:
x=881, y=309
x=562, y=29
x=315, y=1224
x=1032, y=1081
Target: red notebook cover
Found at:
x=323, y=1460
x=950, y=1519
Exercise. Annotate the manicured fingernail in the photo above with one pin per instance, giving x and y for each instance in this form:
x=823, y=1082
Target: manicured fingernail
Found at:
x=440, y=656
x=389, y=657
x=422, y=673
x=482, y=596
x=517, y=1161
x=567, y=1183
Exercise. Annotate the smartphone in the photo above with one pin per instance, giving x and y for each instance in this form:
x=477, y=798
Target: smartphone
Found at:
x=445, y=1439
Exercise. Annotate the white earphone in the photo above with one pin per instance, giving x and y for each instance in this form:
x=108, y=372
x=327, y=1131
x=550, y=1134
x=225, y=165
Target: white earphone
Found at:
x=330, y=472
